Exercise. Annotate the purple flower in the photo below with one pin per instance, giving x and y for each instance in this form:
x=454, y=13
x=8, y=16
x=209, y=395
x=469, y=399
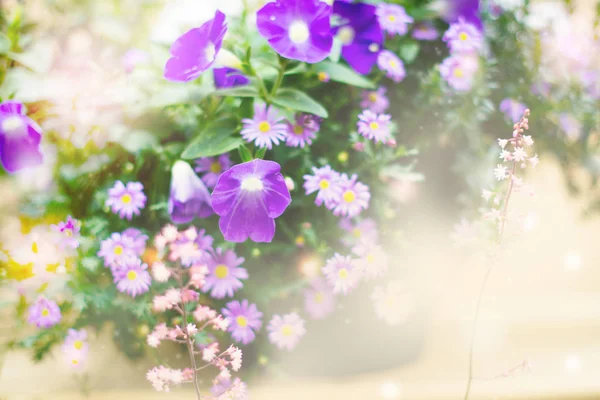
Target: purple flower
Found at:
x=354, y=197
x=374, y=126
x=244, y=319
x=188, y=198
x=192, y=247
x=264, y=128
x=393, y=18
x=126, y=200
x=44, y=313
x=591, y=83
x=512, y=109
x=76, y=341
x=117, y=250
x=139, y=240
x=570, y=126
x=319, y=300
x=229, y=77
x=285, y=332
x=20, y=138
x=362, y=231
x=133, y=58
x=325, y=181
x=425, y=31
x=224, y=274
x=360, y=34
x=248, y=197
x=213, y=167
x=459, y=72
x=297, y=29
x=375, y=100
x=392, y=65
x=196, y=50
x=341, y=273
x=69, y=232
x=302, y=132
x=133, y=278
x=466, y=9
x=463, y=37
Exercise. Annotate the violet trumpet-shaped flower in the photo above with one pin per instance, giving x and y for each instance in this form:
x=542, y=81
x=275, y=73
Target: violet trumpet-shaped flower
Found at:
x=20, y=138
x=189, y=197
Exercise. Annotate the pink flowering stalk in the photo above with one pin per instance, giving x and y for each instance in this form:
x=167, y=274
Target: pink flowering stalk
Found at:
x=189, y=279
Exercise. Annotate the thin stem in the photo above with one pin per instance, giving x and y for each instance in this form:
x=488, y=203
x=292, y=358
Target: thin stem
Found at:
x=279, y=80
x=190, y=345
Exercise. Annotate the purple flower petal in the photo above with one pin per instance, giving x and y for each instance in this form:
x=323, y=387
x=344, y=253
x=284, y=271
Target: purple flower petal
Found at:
x=20, y=138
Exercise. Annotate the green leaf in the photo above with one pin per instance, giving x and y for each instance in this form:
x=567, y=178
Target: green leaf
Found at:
x=260, y=153
x=299, y=101
x=297, y=69
x=210, y=145
x=409, y=51
x=343, y=74
x=240, y=91
x=245, y=154
x=4, y=43
x=336, y=50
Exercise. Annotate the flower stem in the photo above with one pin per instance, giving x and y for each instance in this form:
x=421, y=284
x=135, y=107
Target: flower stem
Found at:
x=189, y=343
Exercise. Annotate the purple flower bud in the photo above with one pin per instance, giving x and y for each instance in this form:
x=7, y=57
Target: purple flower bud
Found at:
x=189, y=197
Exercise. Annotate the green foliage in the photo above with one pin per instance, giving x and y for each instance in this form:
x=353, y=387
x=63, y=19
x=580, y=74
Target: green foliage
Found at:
x=298, y=101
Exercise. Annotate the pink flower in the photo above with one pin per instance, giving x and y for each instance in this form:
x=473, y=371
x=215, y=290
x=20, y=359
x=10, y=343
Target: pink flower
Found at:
x=319, y=300
x=203, y=313
x=341, y=273
x=285, y=332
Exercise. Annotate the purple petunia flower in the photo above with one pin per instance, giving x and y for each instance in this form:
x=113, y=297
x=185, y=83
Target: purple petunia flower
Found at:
x=285, y=332
x=196, y=50
x=192, y=247
x=20, y=138
x=459, y=71
x=302, y=132
x=213, y=167
x=229, y=77
x=69, y=232
x=245, y=319
x=139, y=240
x=467, y=9
x=512, y=109
x=44, y=313
x=354, y=197
x=360, y=34
x=392, y=65
x=264, y=128
x=374, y=126
x=248, y=197
x=133, y=58
x=393, y=18
x=375, y=100
x=117, y=250
x=126, y=200
x=463, y=37
x=319, y=300
x=425, y=31
x=224, y=274
x=133, y=278
x=341, y=273
x=326, y=181
x=188, y=198
x=297, y=29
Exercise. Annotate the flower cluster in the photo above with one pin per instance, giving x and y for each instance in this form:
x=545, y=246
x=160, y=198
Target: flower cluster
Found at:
x=464, y=40
x=75, y=347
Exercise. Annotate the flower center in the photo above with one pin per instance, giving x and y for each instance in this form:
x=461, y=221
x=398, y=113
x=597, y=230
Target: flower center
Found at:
x=346, y=35
x=215, y=167
x=373, y=97
x=68, y=232
x=391, y=18
x=393, y=63
x=463, y=36
x=319, y=297
x=287, y=330
x=370, y=258
x=210, y=52
x=45, y=312
x=242, y=321
x=299, y=32
x=132, y=275
x=356, y=232
x=374, y=125
x=349, y=196
x=252, y=184
x=458, y=73
x=373, y=47
x=298, y=129
x=126, y=199
x=323, y=76
x=78, y=344
x=75, y=361
x=34, y=248
x=343, y=273
x=221, y=271
x=13, y=126
x=118, y=250
x=324, y=184
x=264, y=127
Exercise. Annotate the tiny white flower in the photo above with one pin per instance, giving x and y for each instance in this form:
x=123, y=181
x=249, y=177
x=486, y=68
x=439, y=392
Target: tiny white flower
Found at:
x=503, y=142
x=505, y=155
x=501, y=172
x=486, y=194
x=534, y=161
x=527, y=140
x=519, y=154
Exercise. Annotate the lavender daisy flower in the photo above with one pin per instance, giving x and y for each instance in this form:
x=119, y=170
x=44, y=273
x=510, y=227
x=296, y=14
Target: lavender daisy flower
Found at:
x=459, y=72
x=374, y=126
x=393, y=18
x=117, y=250
x=196, y=50
x=463, y=37
x=285, y=332
x=229, y=77
x=341, y=273
x=325, y=181
x=248, y=197
x=133, y=278
x=360, y=34
x=302, y=132
x=20, y=138
x=76, y=340
x=372, y=260
x=364, y=231
x=319, y=300
x=375, y=100
x=354, y=197
x=192, y=247
x=69, y=232
x=213, y=167
x=392, y=65
x=189, y=198
x=138, y=238
x=75, y=358
x=264, y=128
x=244, y=319
x=224, y=274
x=512, y=109
x=297, y=29
x=126, y=200
x=425, y=31
x=44, y=313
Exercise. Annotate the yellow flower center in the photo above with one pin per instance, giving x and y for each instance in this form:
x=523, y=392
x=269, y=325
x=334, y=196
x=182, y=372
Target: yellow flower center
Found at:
x=356, y=233
x=458, y=73
x=215, y=167
x=463, y=36
x=78, y=344
x=346, y=35
x=45, y=312
x=393, y=63
x=118, y=250
x=132, y=275
x=319, y=297
x=264, y=127
x=221, y=271
x=370, y=258
x=299, y=32
x=322, y=76
x=300, y=240
x=126, y=199
x=374, y=125
x=391, y=18
x=287, y=330
x=75, y=361
x=34, y=248
x=324, y=184
x=373, y=97
x=68, y=233
x=349, y=196
x=252, y=184
x=298, y=129
x=242, y=321
x=343, y=273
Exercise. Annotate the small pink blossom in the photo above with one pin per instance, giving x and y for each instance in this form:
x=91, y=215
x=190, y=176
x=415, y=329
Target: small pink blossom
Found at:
x=203, y=313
